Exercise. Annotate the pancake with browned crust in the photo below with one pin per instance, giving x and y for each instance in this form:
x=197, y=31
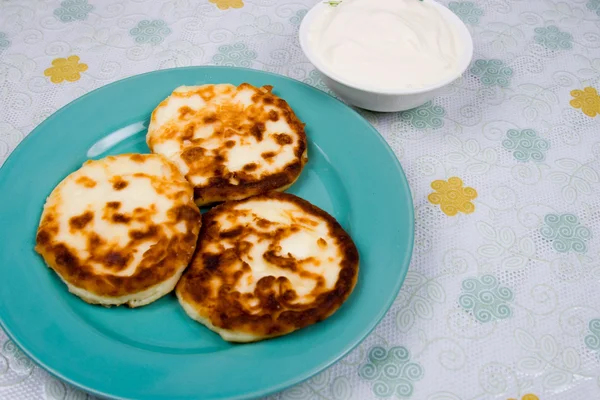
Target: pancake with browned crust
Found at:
x=230, y=142
x=267, y=266
x=120, y=230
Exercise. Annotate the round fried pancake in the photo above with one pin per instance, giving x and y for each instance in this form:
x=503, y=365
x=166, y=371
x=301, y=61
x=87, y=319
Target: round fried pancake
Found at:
x=266, y=266
x=120, y=230
x=230, y=142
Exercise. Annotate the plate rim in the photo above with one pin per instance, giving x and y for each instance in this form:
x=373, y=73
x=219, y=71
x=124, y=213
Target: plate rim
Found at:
x=309, y=373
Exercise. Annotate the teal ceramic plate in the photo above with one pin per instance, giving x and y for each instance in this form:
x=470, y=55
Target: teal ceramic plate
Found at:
x=157, y=352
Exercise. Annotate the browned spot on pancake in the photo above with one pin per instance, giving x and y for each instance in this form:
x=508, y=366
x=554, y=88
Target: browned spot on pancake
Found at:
x=188, y=133
x=115, y=259
x=268, y=154
x=121, y=218
x=307, y=221
x=42, y=238
x=185, y=213
x=80, y=221
x=209, y=284
x=294, y=168
x=264, y=223
x=94, y=241
x=192, y=154
x=211, y=261
x=137, y=158
x=282, y=139
x=230, y=144
x=231, y=233
x=288, y=262
x=313, y=260
x=65, y=258
x=119, y=183
x=257, y=131
x=151, y=232
x=184, y=112
x=273, y=116
x=322, y=243
x=209, y=119
x=250, y=167
x=86, y=181
x=115, y=205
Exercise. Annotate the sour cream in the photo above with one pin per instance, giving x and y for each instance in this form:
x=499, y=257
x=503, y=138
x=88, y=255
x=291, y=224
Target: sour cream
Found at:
x=387, y=44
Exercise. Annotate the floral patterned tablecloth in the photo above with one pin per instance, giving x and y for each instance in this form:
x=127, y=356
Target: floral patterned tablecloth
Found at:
x=502, y=300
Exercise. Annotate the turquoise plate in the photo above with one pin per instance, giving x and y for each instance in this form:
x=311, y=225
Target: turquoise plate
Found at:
x=157, y=352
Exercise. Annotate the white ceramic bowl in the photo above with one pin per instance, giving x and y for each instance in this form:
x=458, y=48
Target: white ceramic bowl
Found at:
x=379, y=100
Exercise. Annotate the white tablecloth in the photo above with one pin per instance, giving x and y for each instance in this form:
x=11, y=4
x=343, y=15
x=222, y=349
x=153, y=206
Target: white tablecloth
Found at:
x=502, y=300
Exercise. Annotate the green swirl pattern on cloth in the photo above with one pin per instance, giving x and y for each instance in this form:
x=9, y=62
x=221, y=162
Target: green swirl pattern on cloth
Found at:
x=526, y=145
x=486, y=299
x=4, y=42
x=553, y=38
x=73, y=10
x=594, y=5
x=592, y=341
x=391, y=372
x=492, y=72
x=426, y=116
x=566, y=233
x=21, y=361
x=296, y=19
x=314, y=79
x=235, y=55
x=153, y=32
x=467, y=11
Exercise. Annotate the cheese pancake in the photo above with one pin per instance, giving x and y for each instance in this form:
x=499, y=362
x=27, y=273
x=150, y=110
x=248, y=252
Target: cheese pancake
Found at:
x=120, y=230
x=267, y=266
x=230, y=142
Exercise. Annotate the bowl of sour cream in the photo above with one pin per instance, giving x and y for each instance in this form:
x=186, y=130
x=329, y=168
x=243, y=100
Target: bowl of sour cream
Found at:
x=386, y=55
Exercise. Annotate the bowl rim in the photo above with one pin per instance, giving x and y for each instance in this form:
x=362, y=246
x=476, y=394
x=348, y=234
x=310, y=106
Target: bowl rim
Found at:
x=466, y=59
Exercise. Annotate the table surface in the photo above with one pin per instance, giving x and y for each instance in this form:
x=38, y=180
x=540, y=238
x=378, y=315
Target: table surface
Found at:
x=502, y=300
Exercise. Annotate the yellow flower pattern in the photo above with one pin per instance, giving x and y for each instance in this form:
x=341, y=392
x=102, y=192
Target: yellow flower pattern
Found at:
x=452, y=196
x=225, y=4
x=588, y=100
x=65, y=69
x=527, y=397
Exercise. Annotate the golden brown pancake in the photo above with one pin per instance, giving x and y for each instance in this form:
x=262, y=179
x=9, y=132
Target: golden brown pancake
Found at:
x=230, y=142
x=267, y=266
x=120, y=230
